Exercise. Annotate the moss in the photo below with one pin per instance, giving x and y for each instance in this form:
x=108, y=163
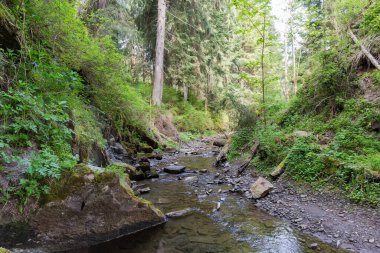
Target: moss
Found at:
x=2, y=250
x=124, y=184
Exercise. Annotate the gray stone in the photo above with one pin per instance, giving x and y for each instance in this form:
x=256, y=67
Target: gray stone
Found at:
x=260, y=188
x=174, y=169
x=143, y=190
x=313, y=246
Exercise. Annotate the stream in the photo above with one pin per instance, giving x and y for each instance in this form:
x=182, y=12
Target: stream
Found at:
x=237, y=226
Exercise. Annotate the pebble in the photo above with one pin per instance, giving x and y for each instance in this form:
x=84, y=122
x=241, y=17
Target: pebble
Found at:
x=313, y=246
x=371, y=240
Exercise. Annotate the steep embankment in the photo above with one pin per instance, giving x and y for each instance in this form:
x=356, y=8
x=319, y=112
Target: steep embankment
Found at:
x=65, y=96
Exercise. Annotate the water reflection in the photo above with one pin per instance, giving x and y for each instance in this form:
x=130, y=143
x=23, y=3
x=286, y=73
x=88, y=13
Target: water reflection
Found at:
x=238, y=227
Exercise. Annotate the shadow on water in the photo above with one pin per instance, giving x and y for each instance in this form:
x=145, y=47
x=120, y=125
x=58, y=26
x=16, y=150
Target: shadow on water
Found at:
x=237, y=227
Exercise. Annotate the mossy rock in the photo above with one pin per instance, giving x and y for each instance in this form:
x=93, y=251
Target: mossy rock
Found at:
x=84, y=199
x=2, y=250
x=140, y=175
x=152, y=174
x=129, y=169
x=145, y=148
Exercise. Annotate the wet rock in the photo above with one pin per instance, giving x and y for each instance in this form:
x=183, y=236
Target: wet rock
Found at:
x=140, y=175
x=117, y=148
x=143, y=190
x=146, y=148
x=143, y=166
x=261, y=188
x=174, y=169
x=219, y=142
x=90, y=212
x=180, y=213
x=152, y=174
x=203, y=171
x=146, y=156
x=191, y=179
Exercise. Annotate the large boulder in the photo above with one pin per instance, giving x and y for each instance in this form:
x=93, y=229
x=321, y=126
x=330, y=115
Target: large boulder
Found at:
x=261, y=188
x=88, y=208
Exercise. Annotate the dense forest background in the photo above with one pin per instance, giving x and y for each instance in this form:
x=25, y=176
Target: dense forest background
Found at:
x=75, y=74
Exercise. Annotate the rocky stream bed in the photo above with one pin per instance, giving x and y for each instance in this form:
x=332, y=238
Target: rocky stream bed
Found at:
x=212, y=210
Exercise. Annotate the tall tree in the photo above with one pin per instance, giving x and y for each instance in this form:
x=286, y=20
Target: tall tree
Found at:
x=158, y=83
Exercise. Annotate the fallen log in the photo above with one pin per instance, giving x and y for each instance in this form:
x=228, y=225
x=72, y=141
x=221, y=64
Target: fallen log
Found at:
x=254, y=151
x=222, y=156
x=365, y=51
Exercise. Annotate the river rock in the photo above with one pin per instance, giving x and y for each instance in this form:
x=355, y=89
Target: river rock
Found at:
x=139, y=175
x=79, y=213
x=117, y=148
x=143, y=166
x=219, y=142
x=180, y=213
x=143, y=190
x=260, y=188
x=152, y=174
x=174, y=169
x=146, y=148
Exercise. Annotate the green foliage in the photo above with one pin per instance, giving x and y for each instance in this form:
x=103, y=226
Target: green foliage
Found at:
x=371, y=19
x=56, y=25
x=242, y=138
x=304, y=161
x=194, y=120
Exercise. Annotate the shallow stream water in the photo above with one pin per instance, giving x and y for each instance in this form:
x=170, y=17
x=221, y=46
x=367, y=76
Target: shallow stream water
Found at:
x=238, y=226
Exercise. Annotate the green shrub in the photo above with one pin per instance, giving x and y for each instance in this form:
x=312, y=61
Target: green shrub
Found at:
x=304, y=161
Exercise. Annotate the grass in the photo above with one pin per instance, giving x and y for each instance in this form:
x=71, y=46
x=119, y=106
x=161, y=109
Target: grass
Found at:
x=339, y=152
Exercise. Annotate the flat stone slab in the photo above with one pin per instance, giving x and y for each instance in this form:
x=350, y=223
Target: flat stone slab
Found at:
x=174, y=169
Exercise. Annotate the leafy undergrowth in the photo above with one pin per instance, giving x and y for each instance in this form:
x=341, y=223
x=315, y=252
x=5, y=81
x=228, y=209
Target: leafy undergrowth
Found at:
x=57, y=94
x=343, y=151
x=191, y=118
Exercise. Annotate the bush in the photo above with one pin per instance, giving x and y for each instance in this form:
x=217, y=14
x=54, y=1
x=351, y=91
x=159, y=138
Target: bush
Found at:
x=304, y=161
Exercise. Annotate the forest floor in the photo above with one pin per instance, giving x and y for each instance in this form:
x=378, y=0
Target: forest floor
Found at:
x=326, y=214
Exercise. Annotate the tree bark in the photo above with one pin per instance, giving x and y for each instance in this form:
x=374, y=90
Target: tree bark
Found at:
x=286, y=68
x=295, y=82
x=158, y=83
x=365, y=51
x=262, y=71
x=185, y=93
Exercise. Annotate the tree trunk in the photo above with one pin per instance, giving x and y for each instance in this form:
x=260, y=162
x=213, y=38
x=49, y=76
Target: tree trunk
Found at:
x=158, y=83
x=185, y=93
x=295, y=83
x=364, y=50
x=262, y=71
x=286, y=68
